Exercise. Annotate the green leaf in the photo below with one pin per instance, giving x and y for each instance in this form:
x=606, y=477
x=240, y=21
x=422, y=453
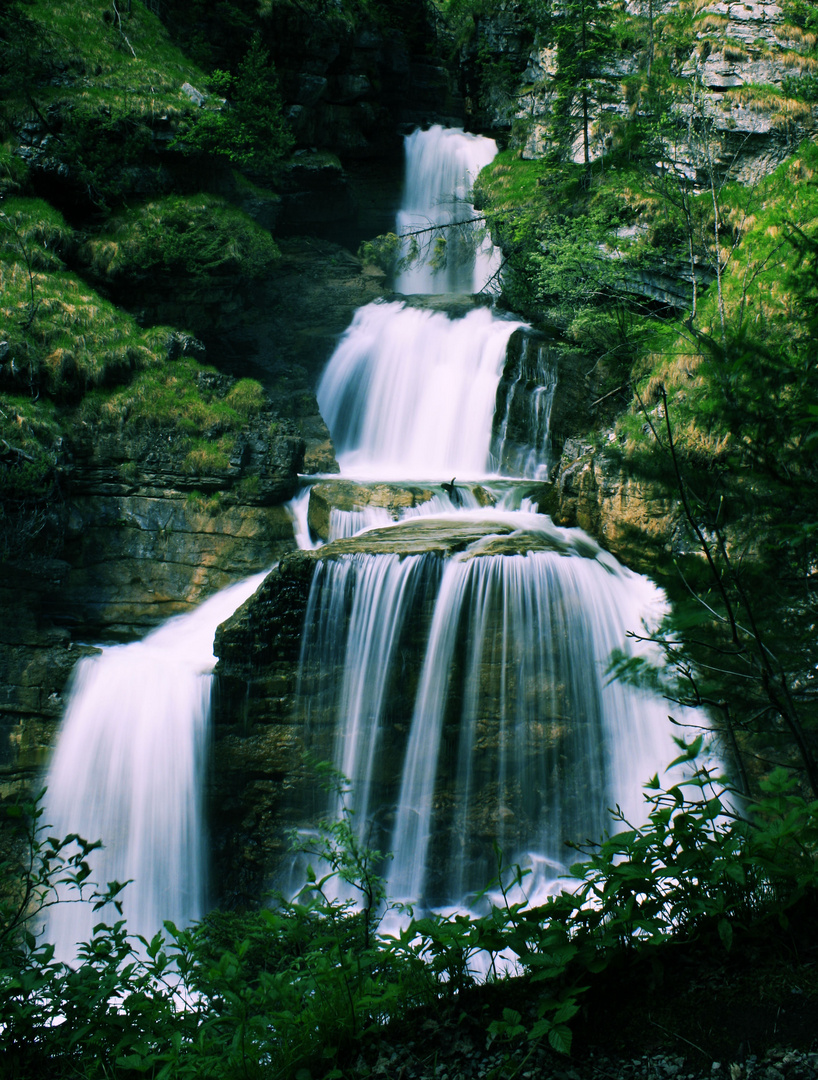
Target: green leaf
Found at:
x=726, y=933
x=560, y=1038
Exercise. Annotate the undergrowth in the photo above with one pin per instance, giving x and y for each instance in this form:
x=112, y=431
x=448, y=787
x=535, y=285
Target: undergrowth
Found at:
x=306, y=983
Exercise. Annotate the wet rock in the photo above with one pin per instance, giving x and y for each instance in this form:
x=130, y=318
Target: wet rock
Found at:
x=347, y=495
x=136, y=560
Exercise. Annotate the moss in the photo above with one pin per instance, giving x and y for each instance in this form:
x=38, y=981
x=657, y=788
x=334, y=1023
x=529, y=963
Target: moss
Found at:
x=247, y=398
x=195, y=236
x=128, y=63
x=75, y=363
x=205, y=457
x=249, y=487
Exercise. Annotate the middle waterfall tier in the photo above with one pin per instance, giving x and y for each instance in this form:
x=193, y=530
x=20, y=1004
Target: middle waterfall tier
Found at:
x=455, y=671
x=411, y=393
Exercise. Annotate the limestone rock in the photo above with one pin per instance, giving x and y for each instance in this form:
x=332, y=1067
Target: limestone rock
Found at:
x=196, y=96
x=740, y=45
x=136, y=560
x=541, y=400
x=641, y=522
x=348, y=495
x=37, y=656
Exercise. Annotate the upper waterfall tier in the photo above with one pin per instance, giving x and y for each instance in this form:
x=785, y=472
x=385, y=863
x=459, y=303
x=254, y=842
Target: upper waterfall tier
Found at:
x=410, y=393
x=454, y=253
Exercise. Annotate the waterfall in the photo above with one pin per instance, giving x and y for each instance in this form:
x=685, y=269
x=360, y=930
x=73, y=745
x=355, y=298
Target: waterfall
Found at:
x=469, y=702
x=522, y=444
x=411, y=393
x=128, y=770
x=463, y=692
x=461, y=689
x=441, y=167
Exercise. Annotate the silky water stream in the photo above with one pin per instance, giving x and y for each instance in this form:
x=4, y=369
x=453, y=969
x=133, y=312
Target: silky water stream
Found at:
x=465, y=687
x=463, y=684
x=128, y=769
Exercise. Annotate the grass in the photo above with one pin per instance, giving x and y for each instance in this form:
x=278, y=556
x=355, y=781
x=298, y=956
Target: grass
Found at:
x=193, y=235
x=128, y=64
x=77, y=364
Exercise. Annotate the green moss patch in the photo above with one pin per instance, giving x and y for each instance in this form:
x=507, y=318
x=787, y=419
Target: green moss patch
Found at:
x=194, y=236
x=73, y=363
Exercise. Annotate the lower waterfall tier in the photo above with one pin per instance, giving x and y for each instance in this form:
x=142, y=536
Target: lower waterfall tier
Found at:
x=454, y=668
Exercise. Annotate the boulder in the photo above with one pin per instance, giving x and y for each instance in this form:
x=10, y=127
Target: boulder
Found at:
x=347, y=495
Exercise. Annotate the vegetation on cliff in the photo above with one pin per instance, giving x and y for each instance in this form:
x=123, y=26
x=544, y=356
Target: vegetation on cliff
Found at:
x=76, y=367
x=682, y=277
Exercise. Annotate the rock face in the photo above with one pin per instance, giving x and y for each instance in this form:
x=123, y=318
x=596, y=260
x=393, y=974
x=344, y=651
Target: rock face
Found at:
x=738, y=48
x=640, y=521
x=257, y=756
x=137, y=560
x=350, y=90
x=540, y=400
x=36, y=658
x=348, y=496
x=350, y=94
x=140, y=537
x=129, y=562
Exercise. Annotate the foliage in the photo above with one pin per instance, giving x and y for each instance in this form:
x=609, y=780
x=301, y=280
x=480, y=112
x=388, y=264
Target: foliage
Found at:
x=181, y=236
x=105, y=83
x=727, y=400
x=801, y=13
x=304, y=985
x=802, y=88
x=250, y=130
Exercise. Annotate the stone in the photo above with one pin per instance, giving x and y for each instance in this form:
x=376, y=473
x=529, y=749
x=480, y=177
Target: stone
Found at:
x=347, y=495
x=196, y=96
x=351, y=86
x=309, y=89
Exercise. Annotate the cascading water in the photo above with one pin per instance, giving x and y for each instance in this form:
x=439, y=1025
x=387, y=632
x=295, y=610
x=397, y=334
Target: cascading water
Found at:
x=411, y=393
x=455, y=254
x=465, y=689
x=470, y=705
x=128, y=770
x=463, y=684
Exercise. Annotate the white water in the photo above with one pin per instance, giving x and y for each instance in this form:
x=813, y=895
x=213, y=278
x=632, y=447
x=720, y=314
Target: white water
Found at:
x=511, y=732
x=128, y=770
x=468, y=695
x=410, y=393
x=441, y=167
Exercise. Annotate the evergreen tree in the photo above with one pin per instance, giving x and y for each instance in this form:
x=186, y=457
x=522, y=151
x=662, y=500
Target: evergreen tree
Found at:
x=582, y=32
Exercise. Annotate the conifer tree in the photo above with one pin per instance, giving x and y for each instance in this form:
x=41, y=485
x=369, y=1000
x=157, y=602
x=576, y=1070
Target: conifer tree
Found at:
x=582, y=32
